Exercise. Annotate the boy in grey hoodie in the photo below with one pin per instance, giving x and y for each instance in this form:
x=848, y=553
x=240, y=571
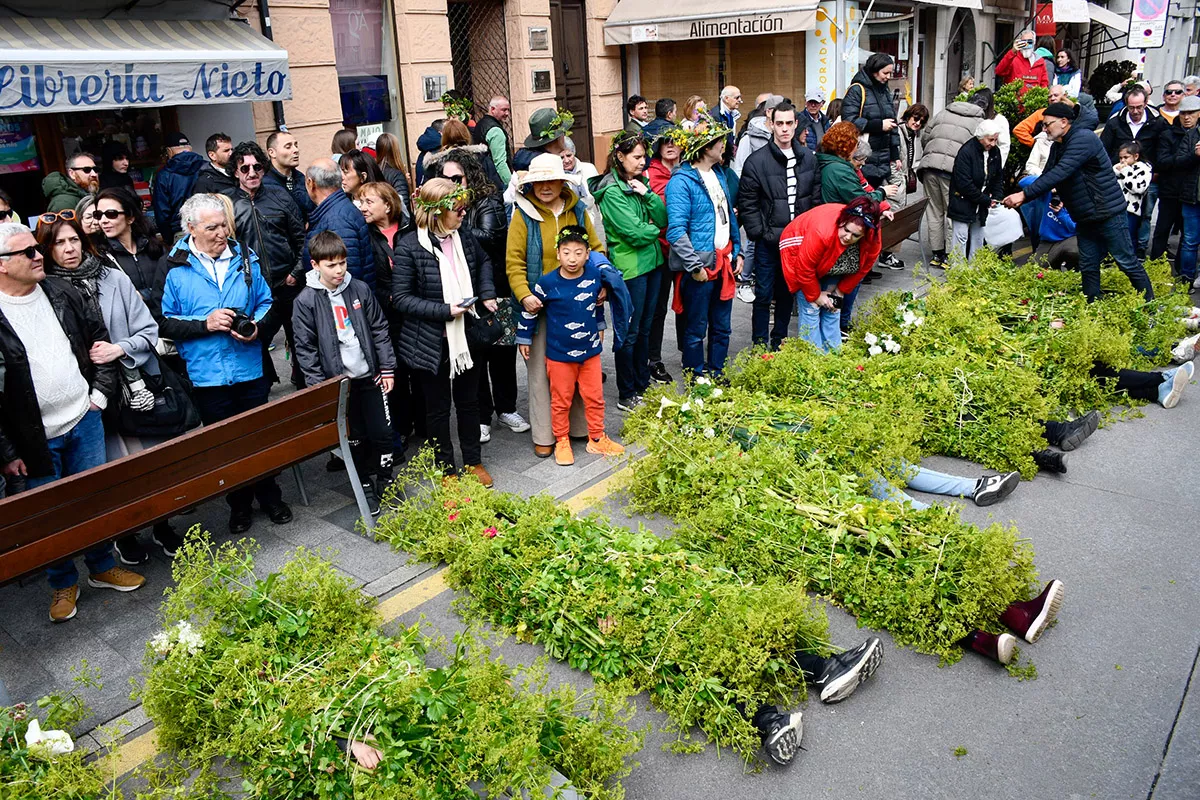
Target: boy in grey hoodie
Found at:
x=340, y=331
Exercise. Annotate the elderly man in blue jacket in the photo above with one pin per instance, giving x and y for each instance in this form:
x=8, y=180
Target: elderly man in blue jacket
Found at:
x=336, y=212
x=1079, y=168
x=216, y=291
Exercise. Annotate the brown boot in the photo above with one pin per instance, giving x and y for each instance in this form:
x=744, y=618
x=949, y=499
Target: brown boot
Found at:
x=543, y=450
x=62, y=603
x=482, y=474
x=116, y=578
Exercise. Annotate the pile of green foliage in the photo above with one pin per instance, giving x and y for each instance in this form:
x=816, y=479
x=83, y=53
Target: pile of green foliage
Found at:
x=278, y=673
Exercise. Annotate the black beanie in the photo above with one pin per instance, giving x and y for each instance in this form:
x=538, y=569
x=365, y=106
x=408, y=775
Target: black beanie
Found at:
x=1061, y=110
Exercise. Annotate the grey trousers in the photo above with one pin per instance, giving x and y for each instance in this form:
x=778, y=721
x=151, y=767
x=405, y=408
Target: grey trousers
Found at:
x=937, y=193
x=539, y=393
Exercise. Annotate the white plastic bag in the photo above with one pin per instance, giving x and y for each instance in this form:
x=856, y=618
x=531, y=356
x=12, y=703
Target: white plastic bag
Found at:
x=47, y=744
x=1003, y=226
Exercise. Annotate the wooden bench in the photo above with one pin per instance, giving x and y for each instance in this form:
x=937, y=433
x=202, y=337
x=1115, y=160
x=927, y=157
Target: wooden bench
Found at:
x=906, y=223
x=70, y=516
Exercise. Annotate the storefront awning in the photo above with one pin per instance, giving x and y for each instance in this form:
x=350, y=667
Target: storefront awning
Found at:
x=1109, y=19
x=975, y=5
x=635, y=21
x=75, y=65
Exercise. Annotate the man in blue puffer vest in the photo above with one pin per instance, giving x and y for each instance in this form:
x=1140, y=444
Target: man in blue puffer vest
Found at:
x=1078, y=167
x=216, y=291
x=336, y=212
x=173, y=184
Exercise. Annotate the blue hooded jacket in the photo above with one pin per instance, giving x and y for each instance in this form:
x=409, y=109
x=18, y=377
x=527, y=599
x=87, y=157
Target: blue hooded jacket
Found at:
x=172, y=186
x=692, y=222
x=190, y=293
x=338, y=213
x=428, y=142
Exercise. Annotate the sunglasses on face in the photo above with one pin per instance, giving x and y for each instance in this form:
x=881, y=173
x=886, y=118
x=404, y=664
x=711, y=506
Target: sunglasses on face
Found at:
x=1173, y=91
x=29, y=252
x=49, y=218
x=459, y=179
x=111, y=213
x=85, y=170
x=246, y=169
x=5, y=213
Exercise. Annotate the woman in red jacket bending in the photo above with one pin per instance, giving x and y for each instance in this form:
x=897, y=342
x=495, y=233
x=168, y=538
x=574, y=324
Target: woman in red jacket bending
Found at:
x=825, y=254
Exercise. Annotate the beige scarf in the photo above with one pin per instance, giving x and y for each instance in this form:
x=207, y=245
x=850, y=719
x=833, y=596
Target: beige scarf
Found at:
x=456, y=287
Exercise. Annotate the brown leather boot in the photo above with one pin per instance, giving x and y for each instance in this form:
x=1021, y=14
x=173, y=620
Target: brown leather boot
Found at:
x=482, y=474
x=543, y=450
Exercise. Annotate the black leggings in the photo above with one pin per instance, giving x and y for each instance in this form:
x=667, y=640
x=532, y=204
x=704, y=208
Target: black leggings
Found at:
x=438, y=391
x=370, y=430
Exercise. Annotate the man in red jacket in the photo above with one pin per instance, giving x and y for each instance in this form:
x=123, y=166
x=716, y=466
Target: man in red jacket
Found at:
x=1021, y=63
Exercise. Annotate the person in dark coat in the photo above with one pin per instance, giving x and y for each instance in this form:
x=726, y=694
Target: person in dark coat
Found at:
x=215, y=177
x=284, y=151
x=491, y=132
x=388, y=156
x=335, y=212
x=1138, y=122
x=547, y=130
x=114, y=168
x=664, y=118
x=976, y=185
x=1080, y=170
x=868, y=104
x=779, y=183
x=437, y=267
x=174, y=184
x=428, y=142
x=1179, y=176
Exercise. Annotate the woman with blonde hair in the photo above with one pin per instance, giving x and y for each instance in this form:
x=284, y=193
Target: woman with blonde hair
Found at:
x=440, y=272
x=693, y=110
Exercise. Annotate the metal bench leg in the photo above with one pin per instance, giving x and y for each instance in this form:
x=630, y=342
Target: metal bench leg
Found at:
x=364, y=511
x=300, y=484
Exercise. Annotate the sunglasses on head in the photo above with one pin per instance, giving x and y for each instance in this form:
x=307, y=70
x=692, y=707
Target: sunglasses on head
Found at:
x=49, y=218
x=111, y=213
x=246, y=169
x=86, y=170
x=29, y=252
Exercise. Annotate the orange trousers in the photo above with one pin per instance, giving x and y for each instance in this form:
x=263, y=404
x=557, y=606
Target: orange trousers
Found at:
x=564, y=377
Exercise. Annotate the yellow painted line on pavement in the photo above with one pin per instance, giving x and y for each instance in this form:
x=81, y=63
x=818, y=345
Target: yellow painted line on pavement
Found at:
x=414, y=596
x=594, y=494
x=135, y=752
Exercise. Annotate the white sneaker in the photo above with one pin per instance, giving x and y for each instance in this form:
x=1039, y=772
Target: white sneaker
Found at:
x=745, y=292
x=485, y=434
x=1185, y=350
x=1191, y=323
x=514, y=421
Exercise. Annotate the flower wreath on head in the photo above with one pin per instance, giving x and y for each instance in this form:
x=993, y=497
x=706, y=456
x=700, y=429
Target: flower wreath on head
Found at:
x=559, y=126
x=460, y=196
x=675, y=135
x=458, y=107
x=565, y=233
x=624, y=137
x=702, y=135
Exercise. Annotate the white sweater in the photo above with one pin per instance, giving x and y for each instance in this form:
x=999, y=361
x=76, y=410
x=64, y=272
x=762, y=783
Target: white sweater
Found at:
x=62, y=391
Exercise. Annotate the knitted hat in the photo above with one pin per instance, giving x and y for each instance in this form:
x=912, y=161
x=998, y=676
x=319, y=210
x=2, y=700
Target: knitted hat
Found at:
x=548, y=124
x=1061, y=110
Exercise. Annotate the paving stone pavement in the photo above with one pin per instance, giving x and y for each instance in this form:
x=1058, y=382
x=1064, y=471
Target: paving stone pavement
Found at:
x=1110, y=715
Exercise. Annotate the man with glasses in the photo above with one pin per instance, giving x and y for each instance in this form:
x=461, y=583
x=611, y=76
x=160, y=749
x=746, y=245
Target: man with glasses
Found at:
x=1172, y=93
x=1138, y=122
x=175, y=183
x=269, y=223
x=336, y=212
x=65, y=191
x=1080, y=170
x=6, y=208
x=52, y=397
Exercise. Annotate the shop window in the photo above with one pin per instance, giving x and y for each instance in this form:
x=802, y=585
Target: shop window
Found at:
x=358, y=47
x=140, y=130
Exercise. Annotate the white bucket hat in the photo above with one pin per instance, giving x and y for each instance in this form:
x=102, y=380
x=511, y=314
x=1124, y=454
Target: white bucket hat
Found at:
x=545, y=167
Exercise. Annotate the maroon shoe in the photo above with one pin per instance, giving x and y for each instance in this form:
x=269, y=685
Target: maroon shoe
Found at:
x=1030, y=618
x=998, y=647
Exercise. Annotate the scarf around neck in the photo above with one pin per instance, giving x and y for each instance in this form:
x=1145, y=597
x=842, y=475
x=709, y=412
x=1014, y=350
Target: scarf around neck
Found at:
x=85, y=278
x=456, y=287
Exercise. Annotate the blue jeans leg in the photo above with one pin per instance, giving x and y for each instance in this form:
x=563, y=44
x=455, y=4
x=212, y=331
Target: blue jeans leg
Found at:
x=764, y=292
x=77, y=450
x=696, y=296
x=848, y=308
x=886, y=490
x=1109, y=236
x=720, y=313
x=1189, y=243
x=625, y=357
x=1142, y=240
x=931, y=482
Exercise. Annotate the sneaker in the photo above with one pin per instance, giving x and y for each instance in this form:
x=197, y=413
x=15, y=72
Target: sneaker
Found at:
x=165, y=537
x=1029, y=619
x=62, y=603
x=1189, y=368
x=130, y=551
x=1171, y=389
x=998, y=647
x=938, y=259
x=890, y=261
x=564, y=456
x=629, y=404
x=280, y=513
x=604, y=446
x=372, y=499
x=1186, y=350
x=240, y=520
x=845, y=671
x=659, y=374
x=781, y=735
x=482, y=474
x=514, y=422
x=121, y=580
x=994, y=488
x=1051, y=461
x=1078, y=430
x=485, y=434
x=745, y=292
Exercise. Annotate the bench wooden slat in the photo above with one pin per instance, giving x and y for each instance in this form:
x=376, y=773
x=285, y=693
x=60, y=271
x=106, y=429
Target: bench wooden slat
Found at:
x=906, y=223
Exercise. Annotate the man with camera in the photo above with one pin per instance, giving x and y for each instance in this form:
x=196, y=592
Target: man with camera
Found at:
x=216, y=290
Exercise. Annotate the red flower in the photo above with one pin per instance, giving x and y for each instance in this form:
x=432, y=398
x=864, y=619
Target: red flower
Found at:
x=767, y=356
x=858, y=367
x=449, y=504
x=1025, y=302
x=490, y=532
x=453, y=516
x=466, y=499
x=1041, y=275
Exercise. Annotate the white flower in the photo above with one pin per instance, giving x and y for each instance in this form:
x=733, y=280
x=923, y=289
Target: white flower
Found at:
x=874, y=350
x=870, y=338
x=709, y=433
x=161, y=643
x=698, y=402
x=686, y=407
x=703, y=381
x=891, y=345
x=189, y=638
x=663, y=404
x=47, y=744
x=717, y=392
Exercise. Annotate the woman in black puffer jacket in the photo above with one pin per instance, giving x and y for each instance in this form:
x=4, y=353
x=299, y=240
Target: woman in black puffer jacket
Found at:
x=868, y=104
x=486, y=221
x=436, y=268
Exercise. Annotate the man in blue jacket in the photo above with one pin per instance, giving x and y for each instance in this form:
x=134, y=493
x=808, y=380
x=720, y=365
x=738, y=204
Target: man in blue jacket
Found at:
x=1078, y=167
x=174, y=182
x=216, y=289
x=336, y=212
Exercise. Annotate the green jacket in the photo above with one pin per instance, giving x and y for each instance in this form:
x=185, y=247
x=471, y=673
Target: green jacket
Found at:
x=840, y=182
x=632, y=224
x=61, y=192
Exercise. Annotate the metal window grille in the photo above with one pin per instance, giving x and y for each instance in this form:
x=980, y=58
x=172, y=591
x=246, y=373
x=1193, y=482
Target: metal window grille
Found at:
x=479, y=50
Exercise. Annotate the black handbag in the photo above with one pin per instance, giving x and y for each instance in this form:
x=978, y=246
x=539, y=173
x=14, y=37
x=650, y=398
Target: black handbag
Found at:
x=173, y=413
x=484, y=330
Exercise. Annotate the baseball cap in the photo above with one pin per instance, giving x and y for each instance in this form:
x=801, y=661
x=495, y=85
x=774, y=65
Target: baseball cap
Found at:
x=817, y=95
x=175, y=139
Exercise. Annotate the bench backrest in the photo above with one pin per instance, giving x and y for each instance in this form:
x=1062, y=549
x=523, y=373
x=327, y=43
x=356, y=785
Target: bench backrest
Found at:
x=45, y=525
x=906, y=223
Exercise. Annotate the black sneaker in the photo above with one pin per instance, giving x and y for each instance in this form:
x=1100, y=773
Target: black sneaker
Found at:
x=1078, y=430
x=781, y=735
x=659, y=374
x=993, y=488
x=240, y=520
x=629, y=404
x=938, y=259
x=1051, y=461
x=890, y=261
x=280, y=513
x=130, y=551
x=372, y=499
x=165, y=537
x=845, y=671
